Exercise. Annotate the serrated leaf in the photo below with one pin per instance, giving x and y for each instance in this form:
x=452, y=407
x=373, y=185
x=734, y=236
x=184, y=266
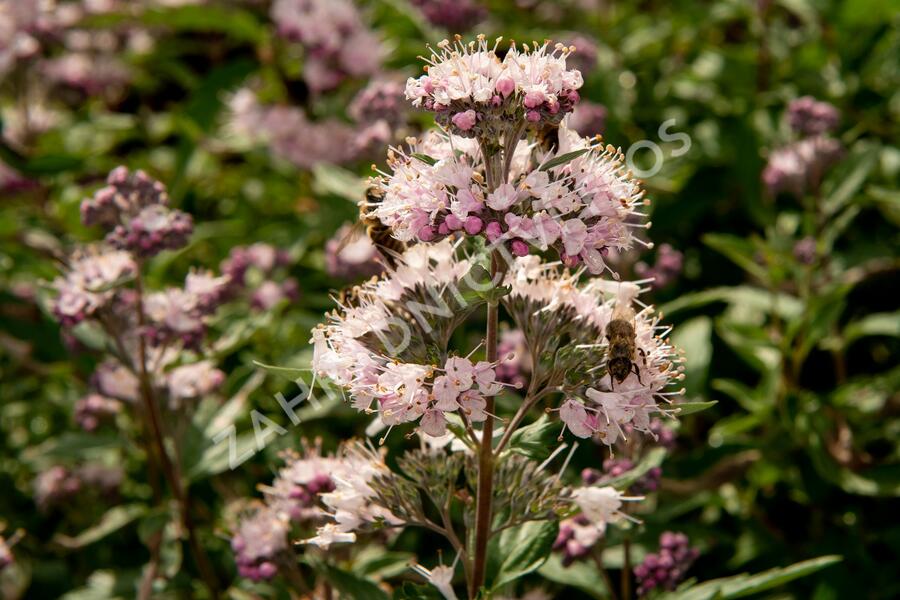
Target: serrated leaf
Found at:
x=563, y=159
x=743, y=585
x=113, y=520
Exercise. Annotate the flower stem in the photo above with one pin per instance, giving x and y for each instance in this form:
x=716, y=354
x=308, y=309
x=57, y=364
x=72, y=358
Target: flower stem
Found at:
x=170, y=469
x=486, y=454
x=626, y=569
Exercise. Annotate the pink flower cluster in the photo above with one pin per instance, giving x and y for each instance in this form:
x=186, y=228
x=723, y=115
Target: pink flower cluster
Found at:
x=808, y=116
x=337, y=41
x=583, y=205
x=402, y=391
x=665, y=270
x=253, y=269
x=89, y=283
x=472, y=89
x=95, y=409
x=599, y=409
x=801, y=165
x=453, y=15
x=261, y=540
x=665, y=569
x=134, y=207
x=178, y=314
x=289, y=134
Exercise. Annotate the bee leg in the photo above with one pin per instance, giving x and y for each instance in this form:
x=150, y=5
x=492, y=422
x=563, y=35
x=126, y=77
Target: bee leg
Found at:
x=611, y=387
x=643, y=355
x=637, y=372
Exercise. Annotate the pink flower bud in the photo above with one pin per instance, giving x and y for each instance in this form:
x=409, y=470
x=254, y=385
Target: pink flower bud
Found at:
x=267, y=570
x=443, y=229
x=474, y=224
x=465, y=120
x=426, y=234
x=534, y=99
x=496, y=100
x=533, y=116
x=519, y=248
x=569, y=261
x=453, y=222
x=505, y=85
x=574, y=96
x=493, y=231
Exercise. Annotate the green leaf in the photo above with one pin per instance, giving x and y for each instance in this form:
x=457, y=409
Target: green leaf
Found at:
x=740, y=251
x=694, y=336
x=350, y=585
x=381, y=564
x=72, y=445
x=291, y=373
x=523, y=549
x=563, y=159
x=333, y=180
x=581, y=575
x=238, y=25
x=428, y=160
x=784, y=305
x=651, y=459
x=743, y=585
x=689, y=408
x=884, y=324
x=216, y=458
x=537, y=440
x=113, y=520
x=848, y=179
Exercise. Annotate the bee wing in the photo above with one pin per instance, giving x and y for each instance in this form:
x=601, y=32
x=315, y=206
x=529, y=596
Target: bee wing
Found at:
x=357, y=230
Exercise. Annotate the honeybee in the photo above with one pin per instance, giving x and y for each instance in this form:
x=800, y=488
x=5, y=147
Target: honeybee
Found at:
x=380, y=234
x=349, y=296
x=622, y=346
x=548, y=136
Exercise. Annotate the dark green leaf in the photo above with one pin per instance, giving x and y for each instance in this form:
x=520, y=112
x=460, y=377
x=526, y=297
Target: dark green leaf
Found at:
x=563, y=159
x=740, y=586
x=114, y=519
x=523, y=549
x=537, y=440
x=424, y=158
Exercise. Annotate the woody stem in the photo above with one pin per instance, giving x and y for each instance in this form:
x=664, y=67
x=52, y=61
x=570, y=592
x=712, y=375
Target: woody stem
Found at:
x=485, y=455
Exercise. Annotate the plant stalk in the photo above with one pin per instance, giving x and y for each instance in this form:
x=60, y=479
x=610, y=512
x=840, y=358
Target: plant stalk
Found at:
x=170, y=469
x=486, y=454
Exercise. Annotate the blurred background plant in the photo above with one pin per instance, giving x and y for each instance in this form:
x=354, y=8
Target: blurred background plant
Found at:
x=776, y=232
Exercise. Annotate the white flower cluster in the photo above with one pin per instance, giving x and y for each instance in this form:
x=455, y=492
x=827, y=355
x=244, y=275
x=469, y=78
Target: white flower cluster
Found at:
x=352, y=349
x=579, y=198
x=352, y=501
x=90, y=282
x=469, y=82
x=540, y=292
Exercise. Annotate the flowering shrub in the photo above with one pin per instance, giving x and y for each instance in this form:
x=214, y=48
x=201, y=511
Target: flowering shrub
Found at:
x=356, y=323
